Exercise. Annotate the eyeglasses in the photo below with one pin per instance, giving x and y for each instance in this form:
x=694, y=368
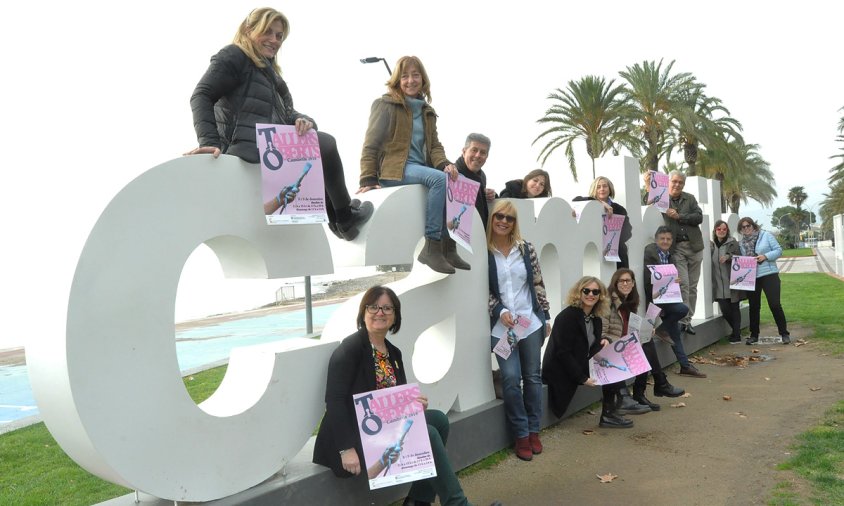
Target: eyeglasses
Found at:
x=504, y=217
x=746, y=225
x=595, y=291
x=625, y=281
x=386, y=309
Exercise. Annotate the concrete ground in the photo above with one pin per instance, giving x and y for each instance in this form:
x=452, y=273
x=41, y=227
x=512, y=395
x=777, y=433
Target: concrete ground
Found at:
x=721, y=448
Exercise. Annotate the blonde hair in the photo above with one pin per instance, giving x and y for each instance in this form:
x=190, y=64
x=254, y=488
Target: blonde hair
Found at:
x=593, y=190
x=258, y=21
x=573, y=297
x=505, y=207
x=402, y=66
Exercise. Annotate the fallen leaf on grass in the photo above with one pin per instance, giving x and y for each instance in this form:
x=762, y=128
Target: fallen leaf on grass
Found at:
x=606, y=478
x=679, y=405
x=728, y=397
x=814, y=389
x=588, y=432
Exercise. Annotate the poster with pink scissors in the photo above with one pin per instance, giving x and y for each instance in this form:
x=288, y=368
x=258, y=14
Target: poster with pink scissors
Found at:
x=658, y=191
x=394, y=435
x=292, y=187
x=666, y=288
x=612, y=235
x=459, y=208
x=619, y=361
x=743, y=274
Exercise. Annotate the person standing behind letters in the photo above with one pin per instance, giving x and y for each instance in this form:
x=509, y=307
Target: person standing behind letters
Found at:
x=683, y=219
x=603, y=191
x=470, y=164
x=401, y=147
x=243, y=87
x=537, y=184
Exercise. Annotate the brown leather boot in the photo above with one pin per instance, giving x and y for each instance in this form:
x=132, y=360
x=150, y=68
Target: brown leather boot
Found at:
x=450, y=253
x=432, y=256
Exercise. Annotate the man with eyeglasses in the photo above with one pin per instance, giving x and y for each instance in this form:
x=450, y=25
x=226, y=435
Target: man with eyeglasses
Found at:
x=683, y=219
x=660, y=253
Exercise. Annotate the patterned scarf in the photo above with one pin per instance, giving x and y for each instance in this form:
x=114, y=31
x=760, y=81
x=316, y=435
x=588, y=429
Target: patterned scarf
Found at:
x=748, y=244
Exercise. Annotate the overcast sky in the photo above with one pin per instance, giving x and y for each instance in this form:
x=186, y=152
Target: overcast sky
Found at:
x=97, y=92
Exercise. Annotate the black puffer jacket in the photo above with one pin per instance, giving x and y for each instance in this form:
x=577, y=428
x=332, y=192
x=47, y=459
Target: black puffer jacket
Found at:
x=234, y=95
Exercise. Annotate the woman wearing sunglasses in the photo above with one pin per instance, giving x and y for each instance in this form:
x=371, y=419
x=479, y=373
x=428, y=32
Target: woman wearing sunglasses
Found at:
x=575, y=337
x=367, y=361
x=762, y=245
x=518, y=311
x=724, y=248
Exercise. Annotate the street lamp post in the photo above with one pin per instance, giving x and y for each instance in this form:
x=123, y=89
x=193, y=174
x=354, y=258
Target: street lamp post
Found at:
x=375, y=59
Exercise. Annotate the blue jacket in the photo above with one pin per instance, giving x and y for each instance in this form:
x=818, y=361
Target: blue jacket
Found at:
x=766, y=245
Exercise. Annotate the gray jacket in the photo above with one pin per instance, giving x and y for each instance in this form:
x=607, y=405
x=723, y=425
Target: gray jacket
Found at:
x=721, y=271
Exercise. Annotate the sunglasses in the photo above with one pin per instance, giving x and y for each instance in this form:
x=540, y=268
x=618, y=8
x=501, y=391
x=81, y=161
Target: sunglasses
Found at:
x=504, y=217
x=746, y=225
x=595, y=291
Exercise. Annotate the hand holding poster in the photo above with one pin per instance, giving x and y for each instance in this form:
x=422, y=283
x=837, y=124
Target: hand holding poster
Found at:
x=292, y=186
x=577, y=207
x=658, y=191
x=459, y=204
x=743, y=274
x=666, y=287
x=505, y=345
x=619, y=361
x=612, y=235
x=649, y=322
x=396, y=448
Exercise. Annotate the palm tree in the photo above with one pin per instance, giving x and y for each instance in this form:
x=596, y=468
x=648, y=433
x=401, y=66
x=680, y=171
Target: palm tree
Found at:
x=590, y=109
x=694, y=123
x=743, y=173
x=656, y=95
x=796, y=197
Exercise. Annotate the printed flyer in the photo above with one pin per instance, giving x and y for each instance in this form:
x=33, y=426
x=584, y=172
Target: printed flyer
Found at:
x=666, y=289
x=612, y=235
x=459, y=207
x=392, y=427
x=504, y=347
x=619, y=361
x=292, y=187
x=743, y=274
x=648, y=324
x=658, y=191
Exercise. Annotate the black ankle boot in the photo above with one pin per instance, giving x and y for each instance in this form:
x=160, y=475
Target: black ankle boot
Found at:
x=611, y=420
x=627, y=405
x=662, y=388
x=641, y=399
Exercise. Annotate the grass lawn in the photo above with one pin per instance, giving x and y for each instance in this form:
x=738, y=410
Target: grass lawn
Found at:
x=814, y=300
x=35, y=471
x=798, y=252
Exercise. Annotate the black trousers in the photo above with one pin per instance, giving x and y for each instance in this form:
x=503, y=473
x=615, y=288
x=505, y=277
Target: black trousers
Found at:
x=769, y=284
x=336, y=194
x=732, y=314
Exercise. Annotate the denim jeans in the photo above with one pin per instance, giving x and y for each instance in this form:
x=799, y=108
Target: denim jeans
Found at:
x=435, y=181
x=523, y=409
x=671, y=316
